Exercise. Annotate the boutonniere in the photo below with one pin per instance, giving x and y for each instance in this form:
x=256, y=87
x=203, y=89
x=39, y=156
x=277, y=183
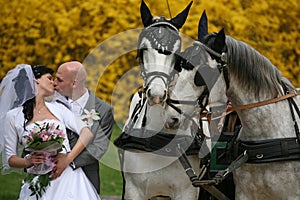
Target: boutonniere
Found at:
x=90, y=116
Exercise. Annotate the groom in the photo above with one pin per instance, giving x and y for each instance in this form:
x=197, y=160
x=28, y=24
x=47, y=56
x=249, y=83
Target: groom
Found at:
x=70, y=84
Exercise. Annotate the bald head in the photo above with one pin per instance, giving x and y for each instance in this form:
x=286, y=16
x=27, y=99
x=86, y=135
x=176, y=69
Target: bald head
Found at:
x=74, y=70
x=70, y=79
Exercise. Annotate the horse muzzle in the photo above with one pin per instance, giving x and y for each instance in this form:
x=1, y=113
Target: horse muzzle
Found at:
x=156, y=98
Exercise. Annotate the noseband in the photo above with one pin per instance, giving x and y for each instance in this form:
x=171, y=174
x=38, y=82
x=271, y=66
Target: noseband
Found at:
x=155, y=75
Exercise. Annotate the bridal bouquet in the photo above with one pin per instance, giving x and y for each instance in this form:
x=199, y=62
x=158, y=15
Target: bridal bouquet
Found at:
x=46, y=138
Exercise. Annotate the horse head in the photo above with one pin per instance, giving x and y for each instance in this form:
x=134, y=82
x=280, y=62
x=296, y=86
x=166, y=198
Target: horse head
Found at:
x=158, y=46
x=200, y=71
x=188, y=92
x=216, y=47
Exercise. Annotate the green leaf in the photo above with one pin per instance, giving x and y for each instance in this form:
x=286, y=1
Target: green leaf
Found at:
x=39, y=187
x=41, y=145
x=44, y=179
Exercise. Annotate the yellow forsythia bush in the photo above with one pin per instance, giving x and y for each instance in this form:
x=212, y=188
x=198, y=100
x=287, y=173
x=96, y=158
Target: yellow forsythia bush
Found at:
x=101, y=35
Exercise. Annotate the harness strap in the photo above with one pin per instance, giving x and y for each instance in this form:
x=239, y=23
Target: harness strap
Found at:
x=272, y=150
x=135, y=114
x=222, y=56
x=263, y=103
x=198, y=102
x=198, y=127
x=222, y=174
x=186, y=165
x=174, y=107
x=258, y=104
x=195, y=180
x=186, y=102
x=292, y=102
x=164, y=23
x=160, y=143
x=296, y=125
x=215, y=192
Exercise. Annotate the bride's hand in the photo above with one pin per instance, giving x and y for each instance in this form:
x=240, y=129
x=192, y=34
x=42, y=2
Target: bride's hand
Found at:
x=62, y=162
x=37, y=158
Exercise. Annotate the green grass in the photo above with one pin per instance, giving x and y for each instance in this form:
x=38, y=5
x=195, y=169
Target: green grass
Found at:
x=110, y=174
x=111, y=178
x=10, y=186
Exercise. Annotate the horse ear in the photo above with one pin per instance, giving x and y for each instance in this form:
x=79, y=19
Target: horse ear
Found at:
x=145, y=14
x=179, y=20
x=202, y=27
x=219, y=42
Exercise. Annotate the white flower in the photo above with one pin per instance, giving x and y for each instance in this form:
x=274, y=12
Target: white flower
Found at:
x=90, y=116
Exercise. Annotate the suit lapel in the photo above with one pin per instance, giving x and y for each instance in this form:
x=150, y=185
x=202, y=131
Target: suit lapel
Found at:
x=90, y=104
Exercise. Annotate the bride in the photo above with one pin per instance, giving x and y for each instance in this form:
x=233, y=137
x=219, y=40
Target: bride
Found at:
x=22, y=107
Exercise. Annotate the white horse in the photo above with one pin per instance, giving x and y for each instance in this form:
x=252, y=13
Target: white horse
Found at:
x=188, y=98
x=157, y=172
x=158, y=46
x=148, y=174
x=269, y=137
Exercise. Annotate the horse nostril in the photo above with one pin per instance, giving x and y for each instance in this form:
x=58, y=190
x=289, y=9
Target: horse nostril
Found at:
x=175, y=120
x=172, y=123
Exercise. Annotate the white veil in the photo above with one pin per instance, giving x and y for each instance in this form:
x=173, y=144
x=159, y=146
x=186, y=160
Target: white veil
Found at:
x=15, y=89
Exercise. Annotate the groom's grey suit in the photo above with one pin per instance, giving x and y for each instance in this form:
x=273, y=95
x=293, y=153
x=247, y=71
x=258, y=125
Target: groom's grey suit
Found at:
x=102, y=129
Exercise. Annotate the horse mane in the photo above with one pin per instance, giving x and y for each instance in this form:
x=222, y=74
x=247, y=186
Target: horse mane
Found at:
x=252, y=70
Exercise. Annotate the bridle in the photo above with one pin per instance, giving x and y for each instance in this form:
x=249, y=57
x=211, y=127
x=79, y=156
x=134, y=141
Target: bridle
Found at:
x=149, y=32
x=150, y=76
x=201, y=103
x=222, y=59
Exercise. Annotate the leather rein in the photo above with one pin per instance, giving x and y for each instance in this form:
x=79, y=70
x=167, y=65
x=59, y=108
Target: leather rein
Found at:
x=258, y=104
x=224, y=61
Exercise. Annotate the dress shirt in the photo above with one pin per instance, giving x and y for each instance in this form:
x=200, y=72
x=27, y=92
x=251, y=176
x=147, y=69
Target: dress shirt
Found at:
x=77, y=106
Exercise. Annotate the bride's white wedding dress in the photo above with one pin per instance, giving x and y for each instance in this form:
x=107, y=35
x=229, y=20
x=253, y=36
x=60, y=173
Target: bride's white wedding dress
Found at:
x=71, y=185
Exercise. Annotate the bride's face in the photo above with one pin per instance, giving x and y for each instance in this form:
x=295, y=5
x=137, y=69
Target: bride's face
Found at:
x=45, y=85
